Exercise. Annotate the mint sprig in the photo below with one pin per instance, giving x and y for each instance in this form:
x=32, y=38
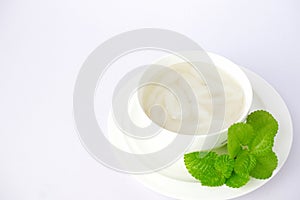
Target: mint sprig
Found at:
x=250, y=154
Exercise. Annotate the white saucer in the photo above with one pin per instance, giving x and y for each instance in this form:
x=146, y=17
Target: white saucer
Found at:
x=266, y=98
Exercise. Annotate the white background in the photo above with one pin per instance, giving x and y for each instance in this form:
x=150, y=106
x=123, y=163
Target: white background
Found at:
x=44, y=43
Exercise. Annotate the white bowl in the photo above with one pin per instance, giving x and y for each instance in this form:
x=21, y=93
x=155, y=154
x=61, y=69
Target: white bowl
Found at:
x=200, y=142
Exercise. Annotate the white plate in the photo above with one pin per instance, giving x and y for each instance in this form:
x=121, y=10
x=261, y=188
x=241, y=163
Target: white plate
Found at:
x=266, y=98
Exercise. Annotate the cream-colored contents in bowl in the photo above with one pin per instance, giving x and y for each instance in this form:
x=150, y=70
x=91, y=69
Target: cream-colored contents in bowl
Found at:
x=156, y=95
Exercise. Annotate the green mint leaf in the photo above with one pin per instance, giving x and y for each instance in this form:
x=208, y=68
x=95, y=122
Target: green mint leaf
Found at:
x=263, y=121
x=265, y=127
x=244, y=163
x=199, y=162
x=240, y=136
x=224, y=164
x=209, y=168
x=261, y=144
x=265, y=165
x=212, y=178
x=237, y=181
